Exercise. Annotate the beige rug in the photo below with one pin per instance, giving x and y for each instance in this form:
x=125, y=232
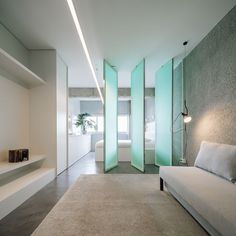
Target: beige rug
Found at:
x=118, y=205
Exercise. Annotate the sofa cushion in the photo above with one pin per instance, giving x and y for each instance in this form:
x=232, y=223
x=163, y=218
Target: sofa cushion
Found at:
x=121, y=143
x=219, y=159
x=211, y=196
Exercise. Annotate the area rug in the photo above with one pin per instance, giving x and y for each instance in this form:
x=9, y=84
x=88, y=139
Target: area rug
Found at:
x=122, y=204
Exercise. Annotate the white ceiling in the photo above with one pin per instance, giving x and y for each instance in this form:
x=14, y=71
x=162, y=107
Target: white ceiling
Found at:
x=121, y=31
x=47, y=24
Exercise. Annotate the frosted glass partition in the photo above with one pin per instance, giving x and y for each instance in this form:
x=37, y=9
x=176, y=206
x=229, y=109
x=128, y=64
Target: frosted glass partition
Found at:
x=137, y=116
x=111, y=97
x=163, y=114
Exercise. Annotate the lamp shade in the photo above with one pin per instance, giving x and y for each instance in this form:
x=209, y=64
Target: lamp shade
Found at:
x=187, y=118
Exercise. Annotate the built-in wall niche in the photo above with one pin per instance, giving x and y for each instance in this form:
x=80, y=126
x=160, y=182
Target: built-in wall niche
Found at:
x=16, y=80
x=14, y=70
x=14, y=119
x=33, y=104
x=28, y=113
x=18, y=181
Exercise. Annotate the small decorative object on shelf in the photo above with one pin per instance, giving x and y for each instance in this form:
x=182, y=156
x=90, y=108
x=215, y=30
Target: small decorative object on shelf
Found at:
x=18, y=155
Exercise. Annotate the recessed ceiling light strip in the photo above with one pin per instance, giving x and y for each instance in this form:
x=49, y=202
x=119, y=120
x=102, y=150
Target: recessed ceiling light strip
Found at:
x=80, y=33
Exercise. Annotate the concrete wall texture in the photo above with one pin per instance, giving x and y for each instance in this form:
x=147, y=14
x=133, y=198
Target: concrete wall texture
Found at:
x=210, y=75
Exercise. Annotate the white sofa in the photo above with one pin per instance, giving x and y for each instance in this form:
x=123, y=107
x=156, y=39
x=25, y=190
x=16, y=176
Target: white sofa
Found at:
x=210, y=198
x=124, y=151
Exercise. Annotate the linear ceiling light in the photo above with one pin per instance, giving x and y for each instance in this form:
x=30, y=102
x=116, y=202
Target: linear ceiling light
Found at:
x=80, y=33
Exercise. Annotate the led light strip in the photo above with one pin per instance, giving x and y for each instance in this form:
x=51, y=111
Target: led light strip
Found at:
x=80, y=33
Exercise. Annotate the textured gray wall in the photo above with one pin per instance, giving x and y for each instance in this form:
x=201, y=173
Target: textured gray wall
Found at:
x=210, y=75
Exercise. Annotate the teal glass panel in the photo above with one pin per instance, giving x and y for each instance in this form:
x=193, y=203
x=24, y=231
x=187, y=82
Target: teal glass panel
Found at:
x=163, y=114
x=111, y=97
x=137, y=116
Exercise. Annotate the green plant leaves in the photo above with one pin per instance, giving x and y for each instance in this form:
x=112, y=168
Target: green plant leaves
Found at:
x=85, y=122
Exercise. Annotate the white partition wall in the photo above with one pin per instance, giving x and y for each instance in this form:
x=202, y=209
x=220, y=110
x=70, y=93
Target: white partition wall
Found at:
x=62, y=84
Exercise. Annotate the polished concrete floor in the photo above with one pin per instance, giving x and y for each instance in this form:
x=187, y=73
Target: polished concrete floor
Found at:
x=24, y=220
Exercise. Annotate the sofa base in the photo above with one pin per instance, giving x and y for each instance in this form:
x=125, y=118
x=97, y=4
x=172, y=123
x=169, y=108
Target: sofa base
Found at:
x=192, y=211
x=161, y=184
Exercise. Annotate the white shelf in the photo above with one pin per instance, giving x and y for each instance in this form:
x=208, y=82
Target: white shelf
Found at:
x=16, y=192
x=18, y=71
x=7, y=167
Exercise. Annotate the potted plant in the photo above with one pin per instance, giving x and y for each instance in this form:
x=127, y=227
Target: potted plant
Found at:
x=84, y=121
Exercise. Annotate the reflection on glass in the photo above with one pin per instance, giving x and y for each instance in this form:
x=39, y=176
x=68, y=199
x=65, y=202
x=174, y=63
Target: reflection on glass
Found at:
x=123, y=122
x=150, y=125
x=92, y=129
x=100, y=123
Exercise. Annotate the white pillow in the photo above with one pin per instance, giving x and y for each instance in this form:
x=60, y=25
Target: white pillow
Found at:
x=219, y=159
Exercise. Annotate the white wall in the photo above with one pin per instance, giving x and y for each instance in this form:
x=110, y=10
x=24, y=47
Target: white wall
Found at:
x=14, y=118
x=48, y=109
x=61, y=115
x=14, y=100
x=73, y=106
x=43, y=106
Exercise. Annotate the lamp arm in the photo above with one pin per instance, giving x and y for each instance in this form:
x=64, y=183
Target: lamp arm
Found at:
x=185, y=106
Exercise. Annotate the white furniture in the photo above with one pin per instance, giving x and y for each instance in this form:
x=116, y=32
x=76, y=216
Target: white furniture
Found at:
x=79, y=145
x=13, y=194
x=6, y=167
x=124, y=151
x=209, y=197
x=19, y=181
